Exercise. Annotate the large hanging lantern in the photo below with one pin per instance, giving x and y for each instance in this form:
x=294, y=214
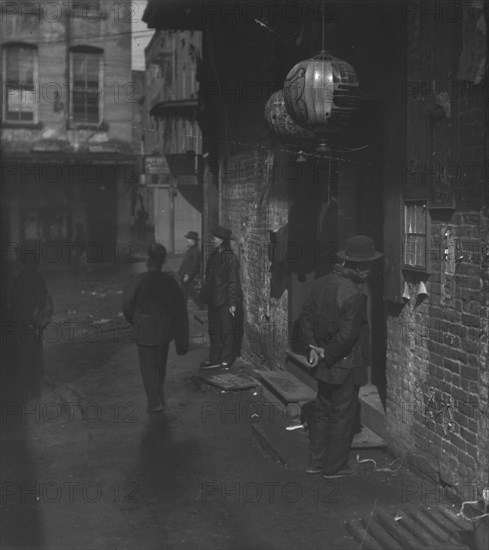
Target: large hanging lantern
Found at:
x=283, y=125
x=321, y=94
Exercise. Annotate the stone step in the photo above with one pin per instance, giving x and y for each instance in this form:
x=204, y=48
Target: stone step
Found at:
x=291, y=447
x=286, y=386
x=372, y=411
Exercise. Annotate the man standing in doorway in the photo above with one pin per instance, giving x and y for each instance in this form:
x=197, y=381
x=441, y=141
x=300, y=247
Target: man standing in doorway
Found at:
x=154, y=303
x=190, y=266
x=334, y=327
x=221, y=292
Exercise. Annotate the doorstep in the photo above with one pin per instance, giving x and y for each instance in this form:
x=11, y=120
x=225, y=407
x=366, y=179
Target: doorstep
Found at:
x=372, y=412
x=283, y=395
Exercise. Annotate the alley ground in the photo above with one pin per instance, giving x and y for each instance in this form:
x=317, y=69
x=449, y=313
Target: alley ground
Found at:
x=85, y=467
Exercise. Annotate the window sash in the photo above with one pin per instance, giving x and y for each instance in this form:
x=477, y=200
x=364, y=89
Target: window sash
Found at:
x=415, y=235
x=85, y=95
x=20, y=76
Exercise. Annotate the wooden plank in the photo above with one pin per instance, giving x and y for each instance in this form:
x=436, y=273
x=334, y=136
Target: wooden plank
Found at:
x=398, y=531
x=418, y=515
x=365, y=540
x=451, y=529
x=382, y=536
x=463, y=524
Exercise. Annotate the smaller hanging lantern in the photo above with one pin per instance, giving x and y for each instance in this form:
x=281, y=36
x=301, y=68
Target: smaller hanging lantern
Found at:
x=322, y=94
x=284, y=127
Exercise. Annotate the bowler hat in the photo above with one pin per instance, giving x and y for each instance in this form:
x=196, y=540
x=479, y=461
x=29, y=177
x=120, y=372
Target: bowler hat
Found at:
x=221, y=233
x=359, y=248
x=192, y=235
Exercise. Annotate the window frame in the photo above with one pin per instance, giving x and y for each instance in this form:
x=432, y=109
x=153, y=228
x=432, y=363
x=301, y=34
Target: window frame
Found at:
x=87, y=50
x=7, y=86
x=426, y=268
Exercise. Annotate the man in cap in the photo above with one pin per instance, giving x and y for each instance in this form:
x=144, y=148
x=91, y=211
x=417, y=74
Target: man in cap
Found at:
x=190, y=266
x=222, y=293
x=153, y=302
x=335, y=329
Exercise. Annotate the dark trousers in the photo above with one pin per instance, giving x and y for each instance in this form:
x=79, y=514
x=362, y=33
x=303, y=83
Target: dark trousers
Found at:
x=152, y=364
x=186, y=289
x=332, y=428
x=225, y=333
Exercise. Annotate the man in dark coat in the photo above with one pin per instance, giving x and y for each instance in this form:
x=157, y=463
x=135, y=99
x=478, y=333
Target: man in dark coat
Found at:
x=190, y=266
x=334, y=326
x=222, y=293
x=154, y=303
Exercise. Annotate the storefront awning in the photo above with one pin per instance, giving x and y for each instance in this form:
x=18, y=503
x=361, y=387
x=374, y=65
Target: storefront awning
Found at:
x=186, y=108
x=68, y=158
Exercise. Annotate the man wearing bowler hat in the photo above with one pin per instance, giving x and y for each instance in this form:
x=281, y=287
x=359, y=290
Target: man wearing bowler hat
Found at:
x=221, y=292
x=190, y=266
x=335, y=329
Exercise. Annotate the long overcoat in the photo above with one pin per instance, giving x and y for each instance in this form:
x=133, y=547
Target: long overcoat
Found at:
x=334, y=318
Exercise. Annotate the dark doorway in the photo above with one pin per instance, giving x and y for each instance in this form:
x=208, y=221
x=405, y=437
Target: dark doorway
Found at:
x=101, y=203
x=365, y=141
x=312, y=230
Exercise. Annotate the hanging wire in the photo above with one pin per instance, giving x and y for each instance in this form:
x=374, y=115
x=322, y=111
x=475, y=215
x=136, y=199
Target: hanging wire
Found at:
x=322, y=26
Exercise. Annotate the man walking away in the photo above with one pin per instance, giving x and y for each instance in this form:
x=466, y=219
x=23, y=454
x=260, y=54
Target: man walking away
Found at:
x=190, y=266
x=334, y=326
x=154, y=303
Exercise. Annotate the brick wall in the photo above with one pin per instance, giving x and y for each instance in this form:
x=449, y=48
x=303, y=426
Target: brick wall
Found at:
x=251, y=204
x=437, y=349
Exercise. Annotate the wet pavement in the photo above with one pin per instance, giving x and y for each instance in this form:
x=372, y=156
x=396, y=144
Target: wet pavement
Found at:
x=86, y=467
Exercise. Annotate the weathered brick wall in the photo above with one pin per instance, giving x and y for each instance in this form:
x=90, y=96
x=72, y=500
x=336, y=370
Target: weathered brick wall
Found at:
x=251, y=204
x=437, y=350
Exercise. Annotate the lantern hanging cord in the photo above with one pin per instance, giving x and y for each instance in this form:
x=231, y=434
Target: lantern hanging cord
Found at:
x=322, y=27
x=292, y=151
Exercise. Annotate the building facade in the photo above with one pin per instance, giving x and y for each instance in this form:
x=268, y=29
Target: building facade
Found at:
x=66, y=135
x=410, y=171
x=172, y=137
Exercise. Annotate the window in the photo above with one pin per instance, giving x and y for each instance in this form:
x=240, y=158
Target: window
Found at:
x=86, y=93
x=20, y=82
x=416, y=237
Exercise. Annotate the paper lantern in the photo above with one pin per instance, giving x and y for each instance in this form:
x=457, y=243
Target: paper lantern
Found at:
x=283, y=126
x=322, y=94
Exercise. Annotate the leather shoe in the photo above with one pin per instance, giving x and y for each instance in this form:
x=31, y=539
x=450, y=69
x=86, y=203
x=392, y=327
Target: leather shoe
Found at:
x=209, y=365
x=156, y=408
x=313, y=471
x=347, y=470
